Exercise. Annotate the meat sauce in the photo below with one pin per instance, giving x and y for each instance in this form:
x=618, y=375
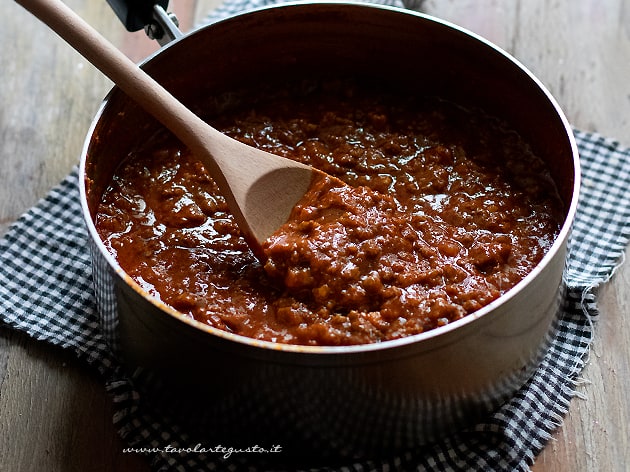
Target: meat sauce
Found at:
x=438, y=211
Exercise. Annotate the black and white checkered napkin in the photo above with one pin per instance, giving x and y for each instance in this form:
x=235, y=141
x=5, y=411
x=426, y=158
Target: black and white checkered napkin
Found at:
x=46, y=291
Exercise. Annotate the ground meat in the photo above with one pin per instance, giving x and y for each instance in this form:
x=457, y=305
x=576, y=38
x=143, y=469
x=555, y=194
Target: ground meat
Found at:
x=438, y=210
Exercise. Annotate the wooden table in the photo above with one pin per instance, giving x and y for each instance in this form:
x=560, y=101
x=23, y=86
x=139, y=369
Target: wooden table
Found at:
x=54, y=413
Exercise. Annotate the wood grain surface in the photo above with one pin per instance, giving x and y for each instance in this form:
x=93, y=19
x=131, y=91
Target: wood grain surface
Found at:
x=54, y=412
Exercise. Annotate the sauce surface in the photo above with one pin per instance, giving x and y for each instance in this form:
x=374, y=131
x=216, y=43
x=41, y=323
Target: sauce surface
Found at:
x=445, y=210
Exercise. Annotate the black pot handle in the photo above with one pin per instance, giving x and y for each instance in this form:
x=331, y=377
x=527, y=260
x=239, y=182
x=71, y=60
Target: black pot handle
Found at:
x=136, y=14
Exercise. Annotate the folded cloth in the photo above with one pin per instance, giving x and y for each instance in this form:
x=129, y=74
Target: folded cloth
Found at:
x=46, y=291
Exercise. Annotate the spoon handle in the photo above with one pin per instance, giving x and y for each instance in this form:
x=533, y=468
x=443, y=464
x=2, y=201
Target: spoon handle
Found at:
x=260, y=188
x=137, y=84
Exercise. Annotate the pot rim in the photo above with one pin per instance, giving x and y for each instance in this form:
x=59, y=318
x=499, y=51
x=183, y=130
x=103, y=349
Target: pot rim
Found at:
x=439, y=332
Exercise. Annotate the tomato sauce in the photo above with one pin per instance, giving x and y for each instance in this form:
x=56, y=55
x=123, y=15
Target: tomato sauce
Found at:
x=441, y=211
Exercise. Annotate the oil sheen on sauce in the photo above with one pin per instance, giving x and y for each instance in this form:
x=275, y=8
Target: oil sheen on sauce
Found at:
x=442, y=210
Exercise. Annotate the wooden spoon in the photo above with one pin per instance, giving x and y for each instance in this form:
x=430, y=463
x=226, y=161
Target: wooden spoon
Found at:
x=260, y=188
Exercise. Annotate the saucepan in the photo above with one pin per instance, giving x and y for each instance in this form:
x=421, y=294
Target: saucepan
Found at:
x=348, y=401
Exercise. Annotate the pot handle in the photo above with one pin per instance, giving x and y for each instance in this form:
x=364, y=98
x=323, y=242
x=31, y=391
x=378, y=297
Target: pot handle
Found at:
x=150, y=15
x=135, y=14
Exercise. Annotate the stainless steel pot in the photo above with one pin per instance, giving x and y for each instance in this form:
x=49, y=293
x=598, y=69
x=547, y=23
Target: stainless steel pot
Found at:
x=349, y=401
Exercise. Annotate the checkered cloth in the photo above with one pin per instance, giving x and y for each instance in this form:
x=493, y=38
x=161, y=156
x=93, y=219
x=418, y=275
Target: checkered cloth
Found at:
x=46, y=291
